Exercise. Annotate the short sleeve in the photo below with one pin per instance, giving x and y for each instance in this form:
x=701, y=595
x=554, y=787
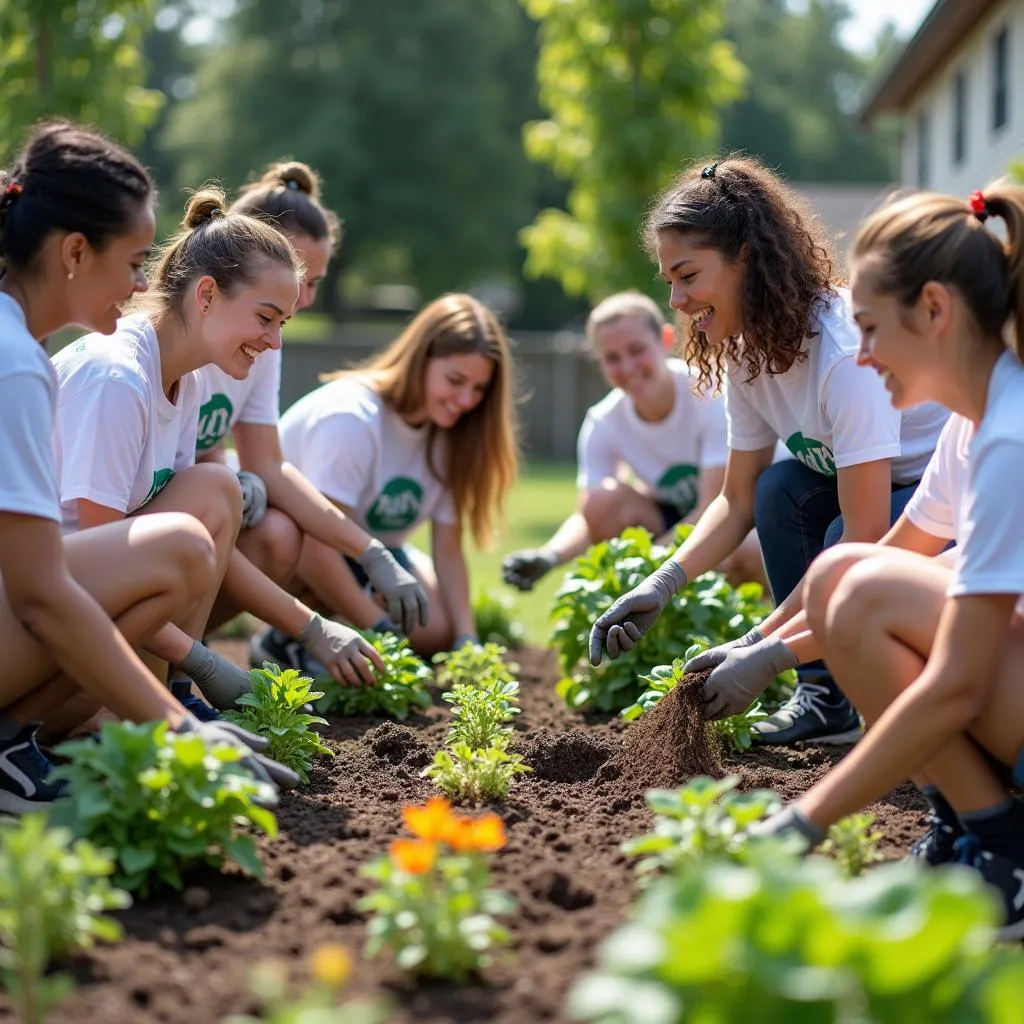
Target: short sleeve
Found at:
x=931, y=508
x=595, y=458
x=991, y=559
x=714, y=440
x=865, y=426
x=338, y=457
x=101, y=433
x=747, y=429
x=188, y=431
x=262, y=404
x=444, y=511
x=29, y=483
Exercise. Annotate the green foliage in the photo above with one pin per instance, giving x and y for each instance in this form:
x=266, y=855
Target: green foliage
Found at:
x=438, y=923
x=474, y=776
x=705, y=819
x=853, y=844
x=397, y=691
x=707, y=611
x=494, y=615
x=76, y=59
x=163, y=802
x=633, y=88
x=274, y=709
x=53, y=891
x=482, y=712
x=474, y=663
x=782, y=939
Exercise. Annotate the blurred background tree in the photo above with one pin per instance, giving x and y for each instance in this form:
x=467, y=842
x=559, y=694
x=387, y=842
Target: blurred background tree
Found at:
x=80, y=59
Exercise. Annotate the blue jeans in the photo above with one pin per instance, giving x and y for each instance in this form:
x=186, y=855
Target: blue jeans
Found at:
x=797, y=515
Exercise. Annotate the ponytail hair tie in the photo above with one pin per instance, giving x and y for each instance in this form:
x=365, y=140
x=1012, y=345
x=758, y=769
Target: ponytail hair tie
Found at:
x=292, y=184
x=709, y=171
x=10, y=194
x=979, y=205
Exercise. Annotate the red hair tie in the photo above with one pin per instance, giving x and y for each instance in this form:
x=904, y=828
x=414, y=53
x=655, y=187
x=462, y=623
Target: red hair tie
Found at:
x=978, y=204
x=668, y=337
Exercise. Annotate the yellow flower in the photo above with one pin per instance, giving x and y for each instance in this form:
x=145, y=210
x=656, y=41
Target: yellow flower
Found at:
x=331, y=965
x=433, y=822
x=413, y=856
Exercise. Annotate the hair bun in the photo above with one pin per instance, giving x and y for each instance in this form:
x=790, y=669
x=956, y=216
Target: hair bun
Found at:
x=295, y=175
x=204, y=206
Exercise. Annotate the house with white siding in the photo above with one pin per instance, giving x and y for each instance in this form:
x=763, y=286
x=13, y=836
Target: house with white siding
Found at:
x=958, y=87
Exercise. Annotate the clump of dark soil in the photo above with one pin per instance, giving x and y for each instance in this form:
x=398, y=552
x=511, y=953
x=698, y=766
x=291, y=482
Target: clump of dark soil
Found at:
x=571, y=756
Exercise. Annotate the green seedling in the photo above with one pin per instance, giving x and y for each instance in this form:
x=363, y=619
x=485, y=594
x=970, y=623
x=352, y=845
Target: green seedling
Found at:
x=474, y=777
x=853, y=844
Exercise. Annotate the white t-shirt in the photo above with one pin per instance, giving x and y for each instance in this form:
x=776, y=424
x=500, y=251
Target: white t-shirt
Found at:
x=28, y=397
x=829, y=412
x=361, y=454
x=224, y=401
x=118, y=439
x=667, y=456
x=990, y=555
x=937, y=506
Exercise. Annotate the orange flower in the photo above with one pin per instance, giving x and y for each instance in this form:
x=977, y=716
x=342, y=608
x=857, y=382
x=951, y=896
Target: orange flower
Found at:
x=480, y=835
x=433, y=822
x=413, y=856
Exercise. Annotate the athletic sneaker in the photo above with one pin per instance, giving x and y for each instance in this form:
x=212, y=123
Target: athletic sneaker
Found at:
x=23, y=771
x=181, y=691
x=810, y=716
x=938, y=844
x=1003, y=873
x=278, y=647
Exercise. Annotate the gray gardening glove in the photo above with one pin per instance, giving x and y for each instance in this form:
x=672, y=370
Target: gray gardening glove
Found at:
x=221, y=680
x=265, y=769
x=709, y=659
x=634, y=613
x=789, y=819
x=522, y=569
x=344, y=653
x=402, y=592
x=740, y=674
x=254, y=499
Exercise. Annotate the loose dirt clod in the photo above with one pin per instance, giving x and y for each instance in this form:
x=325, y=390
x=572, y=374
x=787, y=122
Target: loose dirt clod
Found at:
x=671, y=743
x=572, y=756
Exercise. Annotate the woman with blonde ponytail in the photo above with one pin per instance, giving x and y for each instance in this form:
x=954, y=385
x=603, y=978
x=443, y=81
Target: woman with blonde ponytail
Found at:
x=930, y=649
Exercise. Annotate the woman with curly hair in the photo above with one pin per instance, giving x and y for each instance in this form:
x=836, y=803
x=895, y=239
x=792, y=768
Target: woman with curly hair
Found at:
x=746, y=264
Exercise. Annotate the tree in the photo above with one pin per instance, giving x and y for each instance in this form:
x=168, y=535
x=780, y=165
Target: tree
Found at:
x=79, y=59
x=633, y=88
x=407, y=109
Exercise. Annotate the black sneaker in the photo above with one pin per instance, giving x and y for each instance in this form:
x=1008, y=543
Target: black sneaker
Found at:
x=181, y=691
x=810, y=716
x=278, y=647
x=23, y=771
x=938, y=844
x=1003, y=873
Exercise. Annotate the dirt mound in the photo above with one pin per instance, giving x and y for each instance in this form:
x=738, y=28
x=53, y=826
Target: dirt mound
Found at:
x=572, y=756
x=398, y=744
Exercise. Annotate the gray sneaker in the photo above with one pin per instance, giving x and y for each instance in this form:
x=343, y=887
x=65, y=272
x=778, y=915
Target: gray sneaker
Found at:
x=811, y=715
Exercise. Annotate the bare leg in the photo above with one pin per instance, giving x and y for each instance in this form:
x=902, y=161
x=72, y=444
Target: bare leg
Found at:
x=614, y=506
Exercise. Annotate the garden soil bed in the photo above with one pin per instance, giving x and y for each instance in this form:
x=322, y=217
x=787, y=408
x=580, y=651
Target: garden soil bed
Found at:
x=185, y=956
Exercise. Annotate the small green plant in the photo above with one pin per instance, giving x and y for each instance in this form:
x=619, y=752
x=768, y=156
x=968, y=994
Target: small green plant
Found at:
x=494, y=615
x=705, y=819
x=400, y=689
x=474, y=664
x=475, y=776
x=275, y=709
x=53, y=891
x=482, y=713
x=434, y=908
x=853, y=844
x=163, y=802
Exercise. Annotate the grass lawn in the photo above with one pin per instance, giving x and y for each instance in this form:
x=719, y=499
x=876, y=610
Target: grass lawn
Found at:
x=544, y=495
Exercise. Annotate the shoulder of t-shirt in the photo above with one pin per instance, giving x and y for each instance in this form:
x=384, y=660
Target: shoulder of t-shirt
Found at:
x=97, y=358
x=20, y=353
x=600, y=411
x=835, y=332
x=1004, y=417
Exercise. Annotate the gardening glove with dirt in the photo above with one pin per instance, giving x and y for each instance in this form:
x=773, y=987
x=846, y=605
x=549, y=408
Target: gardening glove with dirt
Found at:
x=254, y=499
x=740, y=674
x=263, y=768
x=402, y=592
x=344, y=653
x=634, y=613
x=221, y=680
x=709, y=658
x=789, y=820
x=522, y=569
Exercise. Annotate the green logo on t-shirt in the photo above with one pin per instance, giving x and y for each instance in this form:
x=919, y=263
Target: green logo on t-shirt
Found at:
x=397, y=505
x=214, y=421
x=813, y=454
x=160, y=480
x=678, y=486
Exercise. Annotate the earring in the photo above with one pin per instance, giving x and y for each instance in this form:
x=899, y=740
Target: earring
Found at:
x=71, y=275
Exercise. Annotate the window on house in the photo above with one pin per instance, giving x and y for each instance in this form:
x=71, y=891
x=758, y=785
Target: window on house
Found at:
x=1000, y=78
x=924, y=143
x=959, y=117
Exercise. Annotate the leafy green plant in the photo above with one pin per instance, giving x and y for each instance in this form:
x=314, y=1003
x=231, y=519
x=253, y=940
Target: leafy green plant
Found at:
x=163, y=802
x=53, y=891
x=735, y=732
x=275, y=709
x=705, y=819
x=482, y=712
x=785, y=939
x=434, y=908
x=708, y=611
x=493, y=613
x=853, y=844
x=475, y=776
x=400, y=689
x=474, y=664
